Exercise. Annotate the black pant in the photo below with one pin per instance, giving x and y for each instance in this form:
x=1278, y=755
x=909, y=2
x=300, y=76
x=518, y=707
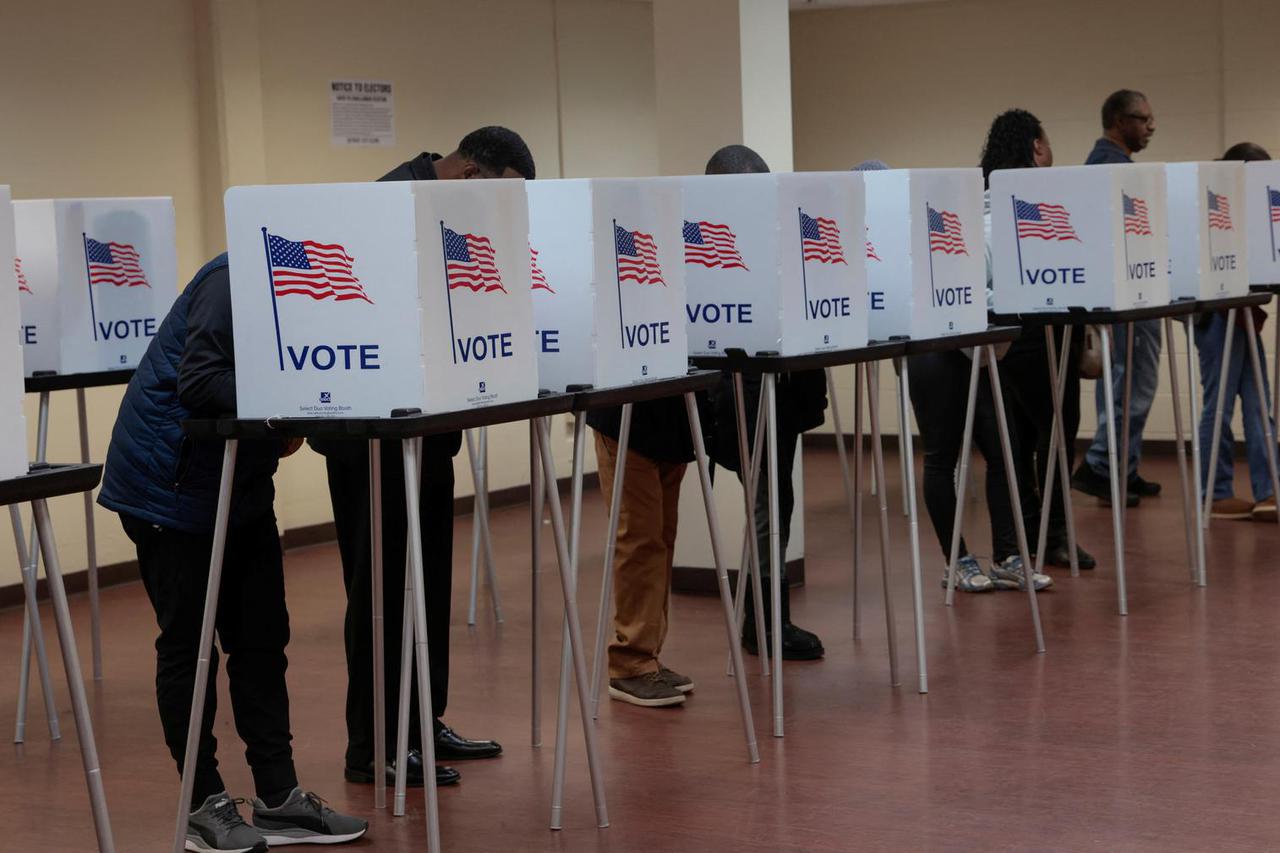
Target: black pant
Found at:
x=1024, y=374
x=939, y=394
x=349, y=490
x=253, y=630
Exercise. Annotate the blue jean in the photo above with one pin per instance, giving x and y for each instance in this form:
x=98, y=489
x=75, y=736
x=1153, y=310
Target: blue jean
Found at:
x=1146, y=376
x=1210, y=337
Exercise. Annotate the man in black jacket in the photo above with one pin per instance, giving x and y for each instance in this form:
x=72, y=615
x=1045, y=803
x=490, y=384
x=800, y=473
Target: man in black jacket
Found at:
x=490, y=152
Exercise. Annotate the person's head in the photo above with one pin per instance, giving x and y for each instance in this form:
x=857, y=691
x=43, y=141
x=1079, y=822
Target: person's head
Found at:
x=736, y=160
x=1016, y=140
x=1127, y=120
x=490, y=152
x=1247, y=151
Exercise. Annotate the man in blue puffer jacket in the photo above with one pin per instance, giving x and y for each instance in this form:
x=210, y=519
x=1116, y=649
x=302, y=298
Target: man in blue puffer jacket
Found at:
x=165, y=488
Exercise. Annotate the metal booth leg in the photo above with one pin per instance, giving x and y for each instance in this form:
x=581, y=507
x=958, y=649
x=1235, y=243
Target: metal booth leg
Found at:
x=603, y=622
x=776, y=556
x=405, y=694
x=848, y=490
x=1058, y=381
x=962, y=481
x=1193, y=384
x=91, y=544
x=857, y=497
x=1217, y=416
x=904, y=427
x=32, y=633
x=1260, y=384
x=31, y=569
x=1184, y=484
x=1117, y=504
x=877, y=462
x=481, y=538
x=749, y=573
x=379, y=637
x=909, y=484
x=535, y=544
x=1124, y=421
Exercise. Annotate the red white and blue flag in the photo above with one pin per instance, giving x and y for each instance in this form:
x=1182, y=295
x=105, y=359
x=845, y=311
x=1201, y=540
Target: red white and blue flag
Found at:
x=1219, y=212
x=1273, y=204
x=318, y=270
x=711, y=245
x=23, y=285
x=1043, y=220
x=871, y=250
x=1136, y=220
x=469, y=262
x=637, y=256
x=539, y=277
x=820, y=240
x=945, y=234
x=113, y=263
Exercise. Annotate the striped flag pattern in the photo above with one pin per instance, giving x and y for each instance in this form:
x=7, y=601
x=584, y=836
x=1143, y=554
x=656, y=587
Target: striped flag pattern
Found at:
x=711, y=245
x=820, y=240
x=539, y=277
x=1273, y=202
x=1046, y=221
x=637, y=256
x=945, y=234
x=318, y=270
x=1219, y=212
x=114, y=263
x=1136, y=220
x=871, y=252
x=23, y=285
x=469, y=262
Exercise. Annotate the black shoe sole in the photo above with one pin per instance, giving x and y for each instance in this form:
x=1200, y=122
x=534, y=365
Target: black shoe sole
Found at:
x=816, y=654
x=446, y=755
x=365, y=777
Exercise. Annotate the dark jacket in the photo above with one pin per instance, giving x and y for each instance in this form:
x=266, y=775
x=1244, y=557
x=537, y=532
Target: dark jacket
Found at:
x=801, y=406
x=659, y=428
x=154, y=472
x=420, y=168
x=1106, y=151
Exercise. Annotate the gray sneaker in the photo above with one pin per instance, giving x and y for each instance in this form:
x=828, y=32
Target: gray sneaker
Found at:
x=305, y=819
x=683, y=683
x=1010, y=574
x=969, y=576
x=217, y=826
x=650, y=690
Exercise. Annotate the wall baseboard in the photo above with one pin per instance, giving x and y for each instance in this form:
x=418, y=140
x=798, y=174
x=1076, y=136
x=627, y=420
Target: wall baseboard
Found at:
x=827, y=441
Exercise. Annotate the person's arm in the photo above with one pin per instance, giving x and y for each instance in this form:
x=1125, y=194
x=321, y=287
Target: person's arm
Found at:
x=207, y=370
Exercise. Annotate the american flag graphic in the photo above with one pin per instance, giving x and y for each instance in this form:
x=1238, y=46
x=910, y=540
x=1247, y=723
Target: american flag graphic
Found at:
x=944, y=232
x=469, y=262
x=711, y=245
x=114, y=263
x=1219, y=212
x=1046, y=221
x=23, y=286
x=820, y=240
x=539, y=277
x=318, y=270
x=1135, y=216
x=637, y=256
x=871, y=252
x=1273, y=203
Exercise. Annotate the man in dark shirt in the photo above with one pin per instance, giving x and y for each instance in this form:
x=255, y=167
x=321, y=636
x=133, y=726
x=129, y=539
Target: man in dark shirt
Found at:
x=1127, y=127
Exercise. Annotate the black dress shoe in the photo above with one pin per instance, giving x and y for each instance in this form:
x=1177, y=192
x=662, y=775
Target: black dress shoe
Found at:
x=1059, y=557
x=797, y=643
x=1086, y=480
x=1143, y=488
x=364, y=775
x=452, y=746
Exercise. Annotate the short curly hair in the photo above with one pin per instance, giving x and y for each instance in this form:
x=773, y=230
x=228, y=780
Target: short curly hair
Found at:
x=494, y=149
x=1010, y=142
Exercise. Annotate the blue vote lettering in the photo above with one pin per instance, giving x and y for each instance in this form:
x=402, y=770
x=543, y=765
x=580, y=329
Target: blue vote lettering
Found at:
x=1142, y=269
x=952, y=296
x=1220, y=263
x=826, y=308
x=27, y=334
x=1056, y=275
x=341, y=356
x=481, y=347
x=645, y=334
x=144, y=327
x=719, y=312
x=549, y=340
x=877, y=300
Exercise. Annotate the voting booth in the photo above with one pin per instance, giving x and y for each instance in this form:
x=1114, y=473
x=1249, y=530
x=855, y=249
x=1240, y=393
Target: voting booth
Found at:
x=926, y=269
x=99, y=274
x=13, y=428
x=608, y=281
x=1207, y=233
x=1090, y=237
x=1261, y=210
x=774, y=262
x=351, y=300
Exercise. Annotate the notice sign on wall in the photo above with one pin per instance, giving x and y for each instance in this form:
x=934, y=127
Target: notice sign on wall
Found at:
x=362, y=112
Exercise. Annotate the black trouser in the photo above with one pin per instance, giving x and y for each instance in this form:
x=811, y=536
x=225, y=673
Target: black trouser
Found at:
x=253, y=630
x=349, y=490
x=1024, y=374
x=939, y=395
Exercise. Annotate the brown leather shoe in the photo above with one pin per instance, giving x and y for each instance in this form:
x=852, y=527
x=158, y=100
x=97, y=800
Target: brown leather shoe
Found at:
x=1264, y=510
x=1233, y=508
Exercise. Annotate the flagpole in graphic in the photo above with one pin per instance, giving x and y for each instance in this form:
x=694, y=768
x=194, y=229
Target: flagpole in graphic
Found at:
x=1272, y=223
x=617, y=278
x=1209, y=224
x=1017, y=240
x=933, y=293
x=804, y=275
x=88, y=277
x=275, y=310
x=1124, y=235
x=448, y=291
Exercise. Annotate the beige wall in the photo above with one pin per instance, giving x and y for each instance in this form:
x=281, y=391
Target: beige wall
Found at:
x=917, y=85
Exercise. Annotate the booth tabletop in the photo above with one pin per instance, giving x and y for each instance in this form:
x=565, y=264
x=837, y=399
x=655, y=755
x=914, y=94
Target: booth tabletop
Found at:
x=49, y=481
x=71, y=381
x=993, y=335
x=1245, y=301
x=413, y=425
x=639, y=392
x=1265, y=288
x=738, y=360
x=1099, y=316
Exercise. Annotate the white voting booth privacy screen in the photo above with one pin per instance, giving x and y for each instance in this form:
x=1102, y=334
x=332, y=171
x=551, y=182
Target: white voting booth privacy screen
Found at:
x=13, y=428
x=1207, y=257
x=1261, y=210
x=774, y=262
x=101, y=275
x=352, y=300
x=1091, y=237
x=926, y=271
x=608, y=281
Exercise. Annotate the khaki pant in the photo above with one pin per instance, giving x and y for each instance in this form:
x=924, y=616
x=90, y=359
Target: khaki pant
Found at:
x=642, y=556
